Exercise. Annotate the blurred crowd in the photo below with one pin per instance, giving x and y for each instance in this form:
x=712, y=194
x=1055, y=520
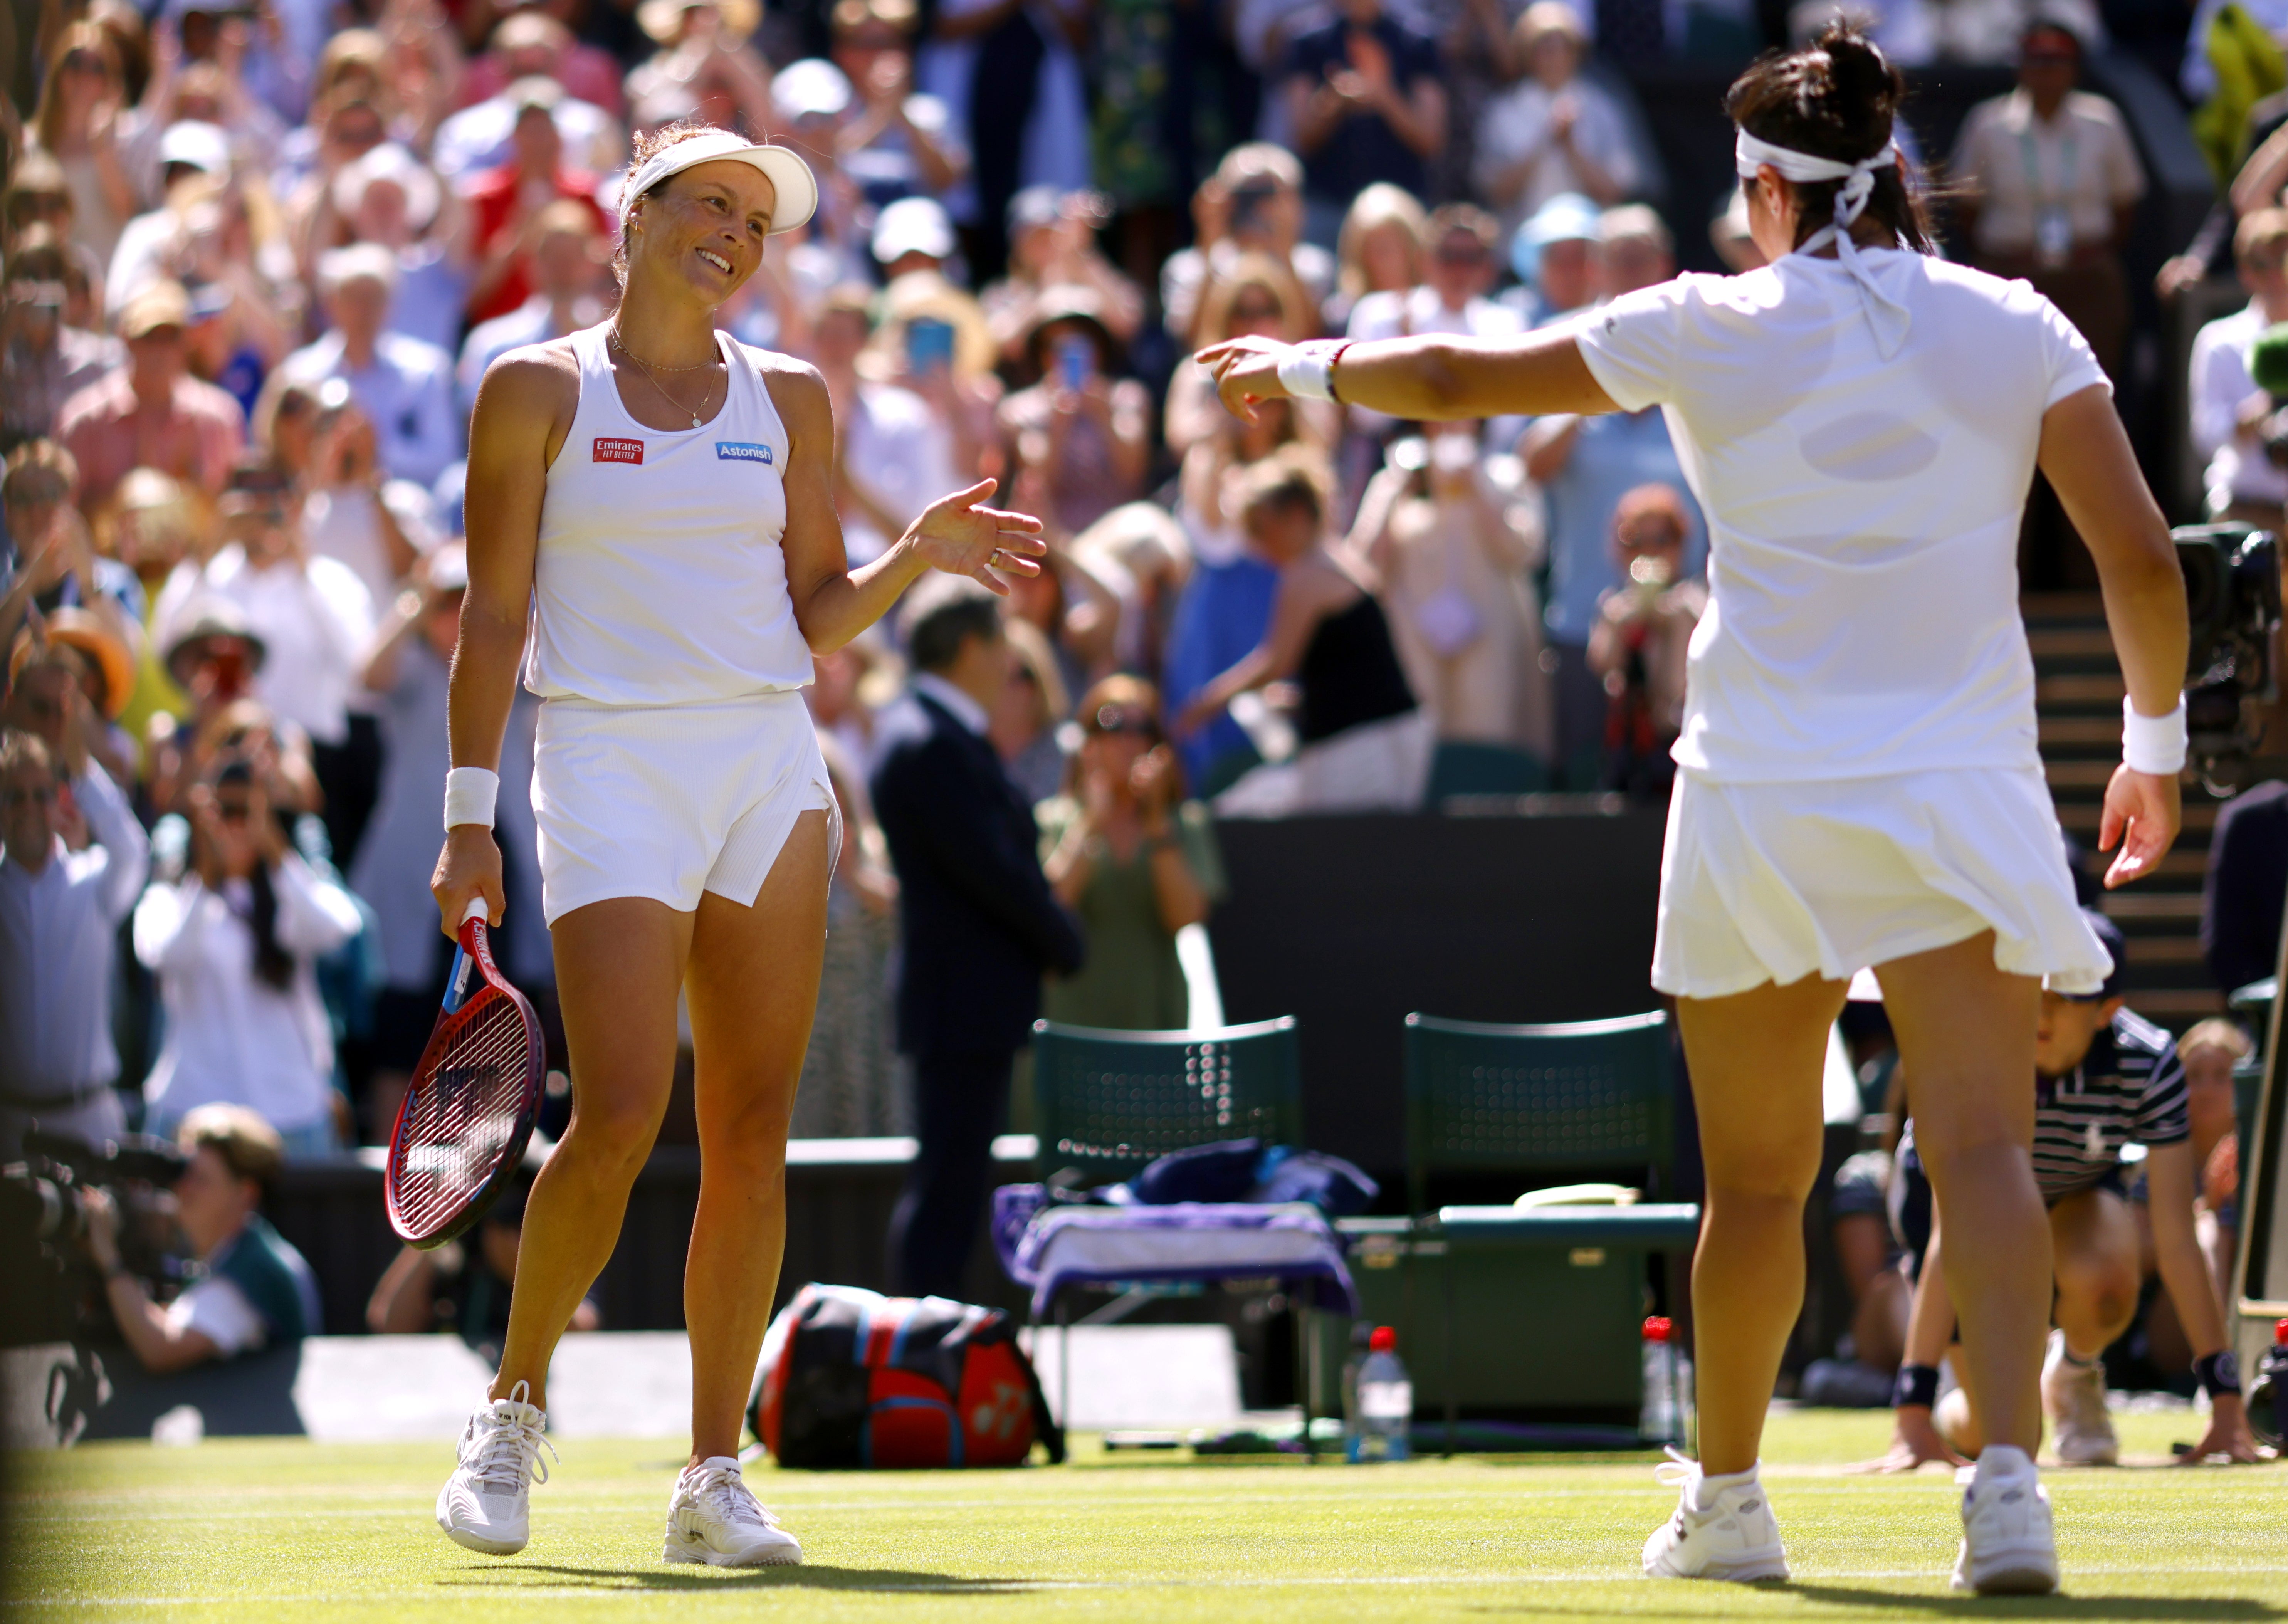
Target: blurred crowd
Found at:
x=259, y=253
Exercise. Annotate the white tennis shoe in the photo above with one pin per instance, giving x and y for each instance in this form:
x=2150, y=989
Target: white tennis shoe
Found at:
x=714, y=1517
x=485, y=1505
x=2009, y=1544
x=2073, y=1396
x=1734, y=1536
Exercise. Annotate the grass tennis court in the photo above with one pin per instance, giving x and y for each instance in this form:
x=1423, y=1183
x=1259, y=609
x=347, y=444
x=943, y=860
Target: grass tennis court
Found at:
x=255, y=1531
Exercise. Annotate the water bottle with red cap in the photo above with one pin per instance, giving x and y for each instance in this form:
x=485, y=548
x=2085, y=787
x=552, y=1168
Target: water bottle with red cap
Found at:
x=1384, y=1417
x=1661, y=1420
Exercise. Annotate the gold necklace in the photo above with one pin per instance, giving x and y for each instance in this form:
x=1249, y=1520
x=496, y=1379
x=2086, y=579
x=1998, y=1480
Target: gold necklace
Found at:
x=645, y=367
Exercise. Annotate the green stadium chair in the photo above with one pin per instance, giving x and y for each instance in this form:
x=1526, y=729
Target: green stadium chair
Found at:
x=1484, y=769
x=1557, y=1297
x=1109, y=1102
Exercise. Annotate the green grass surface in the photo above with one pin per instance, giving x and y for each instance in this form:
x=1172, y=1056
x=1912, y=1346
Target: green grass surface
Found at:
x=285, y=1530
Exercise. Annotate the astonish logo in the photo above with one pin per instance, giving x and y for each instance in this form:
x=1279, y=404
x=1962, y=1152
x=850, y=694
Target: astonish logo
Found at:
x=741, y=451
x=619, y=450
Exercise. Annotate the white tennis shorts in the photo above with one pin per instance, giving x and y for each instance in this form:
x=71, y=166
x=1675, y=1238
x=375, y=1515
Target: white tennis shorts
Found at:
x=669, y=801
x=1775, y=881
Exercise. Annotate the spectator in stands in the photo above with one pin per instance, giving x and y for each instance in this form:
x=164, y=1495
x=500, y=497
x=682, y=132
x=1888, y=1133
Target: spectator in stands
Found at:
x=43, y=359
x=2246, y=890
x=194, y=159
x=979, y=924
x=483, y=135
x=2230, y=415
x=233, y=944
x=1728, y=235
x=569, y=254
x=2051, y=187
x=255, y=1291
x=38, y=196
x=1559, y=257
x=91, y=656
x=1052, y=246
x=1256, y=295
x=852, y=1086
x=528, y=42
x=1556, y=132
x=213, y=657
x=1138, y=554
x=702, y=58
x=1133, y=858
x=897, y=451
x=1459, y=555
x=1253, y=204
x=403, y=386
x=343, y=128
x=78, y=123
x=1364, y=104
x=1638, y=645
x=60, y=914
x=898, y=143
x=1086, y=429
x=464, y=1286
x=390, y=197
x=55, y=563
x=505, y=202
x=1034, y=703
x=1380, y=250
x=315, y=618
x=151, y=412
x=1458, y=270
x=204, y=92
x=1365, y=744
x=2104, y=1077
x=351, y=511
x=243, y=317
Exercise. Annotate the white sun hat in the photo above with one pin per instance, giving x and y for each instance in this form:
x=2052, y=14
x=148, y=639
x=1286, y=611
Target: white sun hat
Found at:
x=789, y=175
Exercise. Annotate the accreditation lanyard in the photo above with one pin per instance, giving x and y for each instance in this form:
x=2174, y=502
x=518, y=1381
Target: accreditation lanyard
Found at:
x=2053, y=210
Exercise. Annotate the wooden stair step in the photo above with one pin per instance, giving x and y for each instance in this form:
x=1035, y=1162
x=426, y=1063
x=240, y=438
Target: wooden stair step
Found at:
x=2080, y=688
x=2069, y=642
x=2152, y=904
x=2165, y=949
x=2178, y=1006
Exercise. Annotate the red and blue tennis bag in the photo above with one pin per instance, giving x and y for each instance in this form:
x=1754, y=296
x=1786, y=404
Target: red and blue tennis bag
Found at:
x=853, y=1379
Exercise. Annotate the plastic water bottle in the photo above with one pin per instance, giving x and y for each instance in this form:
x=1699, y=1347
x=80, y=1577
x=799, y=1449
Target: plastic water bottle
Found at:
x=1661, y=1420
x=1384, y=1411
x=2272, y=1374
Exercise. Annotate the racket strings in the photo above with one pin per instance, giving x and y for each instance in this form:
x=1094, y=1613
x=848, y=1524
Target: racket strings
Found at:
x=464, y=1114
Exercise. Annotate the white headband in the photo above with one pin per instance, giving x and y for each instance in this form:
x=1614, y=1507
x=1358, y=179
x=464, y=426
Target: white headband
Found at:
x=1887, y=314
x=790, y=176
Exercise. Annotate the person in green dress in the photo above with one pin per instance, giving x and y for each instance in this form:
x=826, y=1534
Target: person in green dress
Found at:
x=1137, y=861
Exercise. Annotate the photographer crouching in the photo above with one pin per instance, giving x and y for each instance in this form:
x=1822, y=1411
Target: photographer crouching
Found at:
x=251, y=1290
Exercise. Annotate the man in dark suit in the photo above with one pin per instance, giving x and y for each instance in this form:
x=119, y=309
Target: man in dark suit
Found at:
x=2247, y=887
x=981, y=925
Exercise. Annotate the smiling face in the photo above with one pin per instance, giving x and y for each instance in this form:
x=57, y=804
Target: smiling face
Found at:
x=702, y=229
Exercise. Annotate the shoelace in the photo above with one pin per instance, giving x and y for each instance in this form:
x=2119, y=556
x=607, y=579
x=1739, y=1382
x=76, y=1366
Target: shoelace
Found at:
x=724, y=1492
x=501, y=1453
x=1677, y=1470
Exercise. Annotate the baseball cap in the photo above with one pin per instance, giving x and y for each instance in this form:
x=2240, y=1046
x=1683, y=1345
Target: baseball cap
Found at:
x=811, y=88
x=193, y=141
x=163, y=304
x=913, y=226
x=1567, y=218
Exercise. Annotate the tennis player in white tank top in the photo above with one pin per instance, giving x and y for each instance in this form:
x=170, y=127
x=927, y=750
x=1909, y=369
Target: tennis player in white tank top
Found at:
x=1857, y=780
x=651, y=536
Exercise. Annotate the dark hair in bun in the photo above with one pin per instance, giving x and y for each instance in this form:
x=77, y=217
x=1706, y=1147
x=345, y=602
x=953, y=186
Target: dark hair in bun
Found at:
x=1837, y=98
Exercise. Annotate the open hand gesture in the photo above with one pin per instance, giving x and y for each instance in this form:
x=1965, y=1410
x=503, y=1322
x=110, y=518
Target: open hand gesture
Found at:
x=1246, y=373
x=2143, y=814
x=960, y=535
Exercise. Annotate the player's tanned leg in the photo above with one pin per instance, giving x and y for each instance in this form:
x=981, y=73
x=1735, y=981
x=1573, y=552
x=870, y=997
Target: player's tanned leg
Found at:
x=754, y=986
x=1757, y=1060
x=1966, y=1033
x=618, y=964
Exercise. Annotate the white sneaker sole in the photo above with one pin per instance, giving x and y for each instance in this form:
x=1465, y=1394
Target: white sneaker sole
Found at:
x=1752, y=1569
x=680, y=1549
x=2031, y=1571
x=468, y=1539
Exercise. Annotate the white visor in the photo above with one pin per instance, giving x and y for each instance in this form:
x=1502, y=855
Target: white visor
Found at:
x=789, y=175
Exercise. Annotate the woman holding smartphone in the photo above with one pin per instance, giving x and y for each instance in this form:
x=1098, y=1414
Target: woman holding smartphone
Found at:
x=1088, y=433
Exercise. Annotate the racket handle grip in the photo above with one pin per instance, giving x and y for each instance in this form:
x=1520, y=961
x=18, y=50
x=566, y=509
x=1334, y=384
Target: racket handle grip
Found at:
x=476, y=909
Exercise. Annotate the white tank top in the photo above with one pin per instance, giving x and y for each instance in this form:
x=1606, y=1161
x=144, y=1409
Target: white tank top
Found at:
x=660, y=579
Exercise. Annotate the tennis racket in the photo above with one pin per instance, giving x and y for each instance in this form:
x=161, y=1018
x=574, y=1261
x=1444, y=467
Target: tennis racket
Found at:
x=469, y=1111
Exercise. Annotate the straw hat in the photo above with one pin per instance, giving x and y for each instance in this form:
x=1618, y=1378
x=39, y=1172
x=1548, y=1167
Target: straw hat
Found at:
x=75, y=628
x=662, y=20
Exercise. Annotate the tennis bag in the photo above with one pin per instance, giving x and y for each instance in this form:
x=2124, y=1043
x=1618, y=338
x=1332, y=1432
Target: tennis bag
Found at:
x=853, y=1379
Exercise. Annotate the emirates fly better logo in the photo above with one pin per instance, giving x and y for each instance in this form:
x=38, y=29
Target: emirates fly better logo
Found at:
x=619, y=450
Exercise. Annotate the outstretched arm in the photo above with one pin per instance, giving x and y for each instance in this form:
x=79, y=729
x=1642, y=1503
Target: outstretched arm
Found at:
x=957, y=533
x=1428, y=378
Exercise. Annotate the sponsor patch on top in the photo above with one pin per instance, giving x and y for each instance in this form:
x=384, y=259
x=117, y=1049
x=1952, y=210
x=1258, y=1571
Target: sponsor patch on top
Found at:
x=619, y=450
x=741, y=451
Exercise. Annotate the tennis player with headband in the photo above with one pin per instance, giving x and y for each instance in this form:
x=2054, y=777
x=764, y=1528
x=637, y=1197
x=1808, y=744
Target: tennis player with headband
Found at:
x=655, y=500
x=1858, y=784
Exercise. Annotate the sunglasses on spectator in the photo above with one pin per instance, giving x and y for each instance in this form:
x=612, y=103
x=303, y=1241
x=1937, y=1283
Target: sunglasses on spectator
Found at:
x=2267, y=258
x=233, y=812
x=1113, y=719
x=40, y=203
x=1460, y=253
x=37, y=795
x=1256, y=310
x=85, y=62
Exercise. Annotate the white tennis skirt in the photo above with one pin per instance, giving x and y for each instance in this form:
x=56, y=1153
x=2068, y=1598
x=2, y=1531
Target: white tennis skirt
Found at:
x=1775, y=881
x=669, y=801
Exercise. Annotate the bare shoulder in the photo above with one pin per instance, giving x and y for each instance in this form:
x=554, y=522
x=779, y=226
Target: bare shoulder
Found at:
x=542, y=380
x=797, y=389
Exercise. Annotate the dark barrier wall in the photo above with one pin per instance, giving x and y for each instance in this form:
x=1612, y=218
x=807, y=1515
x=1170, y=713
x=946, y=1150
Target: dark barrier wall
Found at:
x=1350, y=924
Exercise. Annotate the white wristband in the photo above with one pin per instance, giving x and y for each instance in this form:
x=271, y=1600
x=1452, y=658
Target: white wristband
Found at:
x=1307, y=371
x=2154, y=744
x=470, y=793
